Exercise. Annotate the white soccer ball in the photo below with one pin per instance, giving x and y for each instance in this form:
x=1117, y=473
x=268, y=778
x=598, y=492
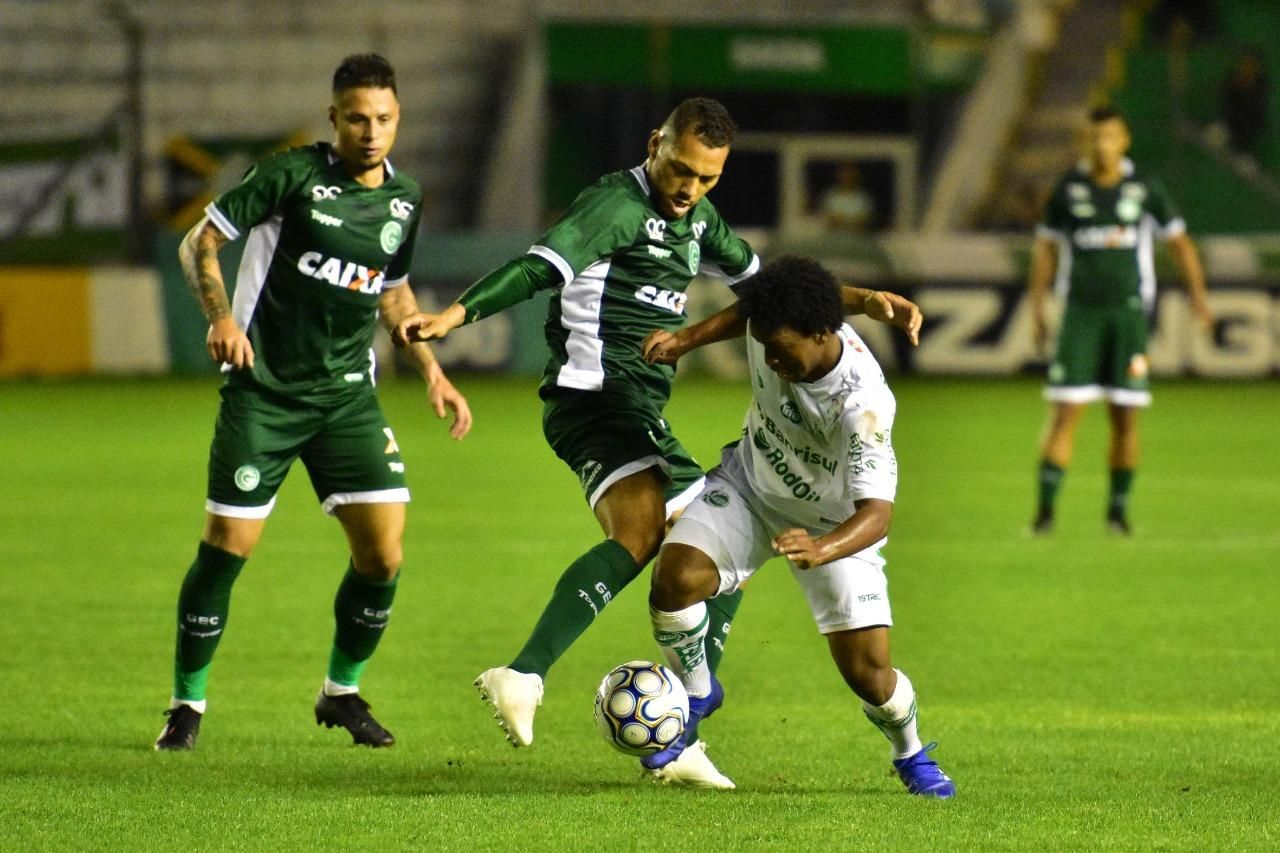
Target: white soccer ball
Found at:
x=641, y=708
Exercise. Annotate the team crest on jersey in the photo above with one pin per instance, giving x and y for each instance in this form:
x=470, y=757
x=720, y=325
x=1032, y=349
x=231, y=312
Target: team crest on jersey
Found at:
x=717, y=498
x=390, y=237
x=695, y=255
x=1128, y=209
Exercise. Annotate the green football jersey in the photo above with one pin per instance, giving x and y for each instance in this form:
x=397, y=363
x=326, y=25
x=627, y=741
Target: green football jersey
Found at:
x=625, y=268
x=1106, y=234
x=320, y=249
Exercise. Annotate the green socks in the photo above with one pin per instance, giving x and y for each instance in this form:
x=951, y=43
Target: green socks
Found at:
x=1121, y=482
x=721, y=611
x=203, y=604
x=1050, y=480
x=361, y=611
x=584, y=589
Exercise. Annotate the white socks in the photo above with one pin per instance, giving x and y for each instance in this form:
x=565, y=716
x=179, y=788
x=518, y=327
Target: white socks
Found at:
x=682, y=638
x=197, y=705
x=897, y=718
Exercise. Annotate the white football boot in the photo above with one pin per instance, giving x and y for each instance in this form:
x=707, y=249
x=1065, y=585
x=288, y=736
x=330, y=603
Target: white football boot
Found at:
x=694, y=769
x=514, y=697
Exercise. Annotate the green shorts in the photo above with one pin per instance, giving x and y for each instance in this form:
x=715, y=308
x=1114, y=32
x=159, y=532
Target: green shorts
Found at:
x=605, y=437
x=1102, y=353
x=348, y=449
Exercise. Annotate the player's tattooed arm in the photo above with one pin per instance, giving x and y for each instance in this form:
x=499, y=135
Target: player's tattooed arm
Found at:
x=886, y=307
x=867, y=526
x=394, y=306
x=198, y=255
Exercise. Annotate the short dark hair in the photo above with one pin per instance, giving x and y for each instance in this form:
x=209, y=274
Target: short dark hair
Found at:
x=708, y=119
x=1098, y=115
x=364, y=71
x=795, y=292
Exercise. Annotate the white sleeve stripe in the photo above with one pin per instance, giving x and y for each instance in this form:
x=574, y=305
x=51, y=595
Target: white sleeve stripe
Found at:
x=752, y=269
x=220, y=221
x=553, y=257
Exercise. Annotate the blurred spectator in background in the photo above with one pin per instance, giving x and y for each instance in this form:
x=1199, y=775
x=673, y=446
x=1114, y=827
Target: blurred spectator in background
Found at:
x=1244, y=102
x=846, y=206
x=1189, y=19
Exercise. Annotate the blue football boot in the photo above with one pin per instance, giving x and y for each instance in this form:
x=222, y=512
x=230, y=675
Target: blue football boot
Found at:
x=700, y=707
x=922, y=775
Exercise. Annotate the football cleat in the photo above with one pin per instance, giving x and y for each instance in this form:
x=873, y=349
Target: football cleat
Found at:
x=1043, y=523
x=181, y=730
x=514, y=697
x=352, y=713
x=691, y=768
x=922, y=775
x=1118, y=524
x=700, y=707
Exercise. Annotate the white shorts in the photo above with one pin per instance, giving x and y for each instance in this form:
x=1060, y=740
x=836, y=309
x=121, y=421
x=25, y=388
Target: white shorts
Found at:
x=735, y=532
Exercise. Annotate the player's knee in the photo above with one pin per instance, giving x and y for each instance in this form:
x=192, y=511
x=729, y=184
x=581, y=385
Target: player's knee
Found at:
x=678, y=584
x=641, y=541
x=381, y=563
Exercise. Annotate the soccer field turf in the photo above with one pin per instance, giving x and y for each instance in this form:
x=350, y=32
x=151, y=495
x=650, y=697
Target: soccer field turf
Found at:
x=1088, y=692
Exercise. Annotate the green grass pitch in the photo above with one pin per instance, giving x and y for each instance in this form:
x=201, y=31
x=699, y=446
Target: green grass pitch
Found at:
x=1088, y=692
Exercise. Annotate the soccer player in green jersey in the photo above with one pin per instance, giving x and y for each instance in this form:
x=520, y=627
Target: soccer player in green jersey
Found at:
x=1096, y=238
x=619, y=261
x=331, y=231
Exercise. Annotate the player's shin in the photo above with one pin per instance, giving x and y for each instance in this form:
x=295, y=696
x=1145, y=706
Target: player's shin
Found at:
x=203, y=605
x=361, y=611
x=897, y=718
x=584, y=589
x=682, y=638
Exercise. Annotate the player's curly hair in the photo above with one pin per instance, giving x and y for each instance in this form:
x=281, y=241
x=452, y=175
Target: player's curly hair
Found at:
x=795, y=292
x=364, y=71
x=708, y=119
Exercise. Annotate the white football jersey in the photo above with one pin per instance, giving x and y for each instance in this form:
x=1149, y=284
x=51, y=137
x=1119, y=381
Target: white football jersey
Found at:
x=811, y=449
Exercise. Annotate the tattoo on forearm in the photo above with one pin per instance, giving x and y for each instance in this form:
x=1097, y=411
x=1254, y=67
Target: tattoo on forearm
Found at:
x=204, y=275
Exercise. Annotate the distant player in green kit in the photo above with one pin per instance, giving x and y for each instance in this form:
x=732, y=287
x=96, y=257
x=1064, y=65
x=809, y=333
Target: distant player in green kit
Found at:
x=1097, y=237
x=330, y=235
x=619, y=262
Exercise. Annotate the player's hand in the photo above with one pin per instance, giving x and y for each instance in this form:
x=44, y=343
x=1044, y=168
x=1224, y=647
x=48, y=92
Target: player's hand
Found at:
x=897, y=311
x=421, y=326
x=228, y=344
x=444, y=397
x=662, y=347
x=799, y=546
